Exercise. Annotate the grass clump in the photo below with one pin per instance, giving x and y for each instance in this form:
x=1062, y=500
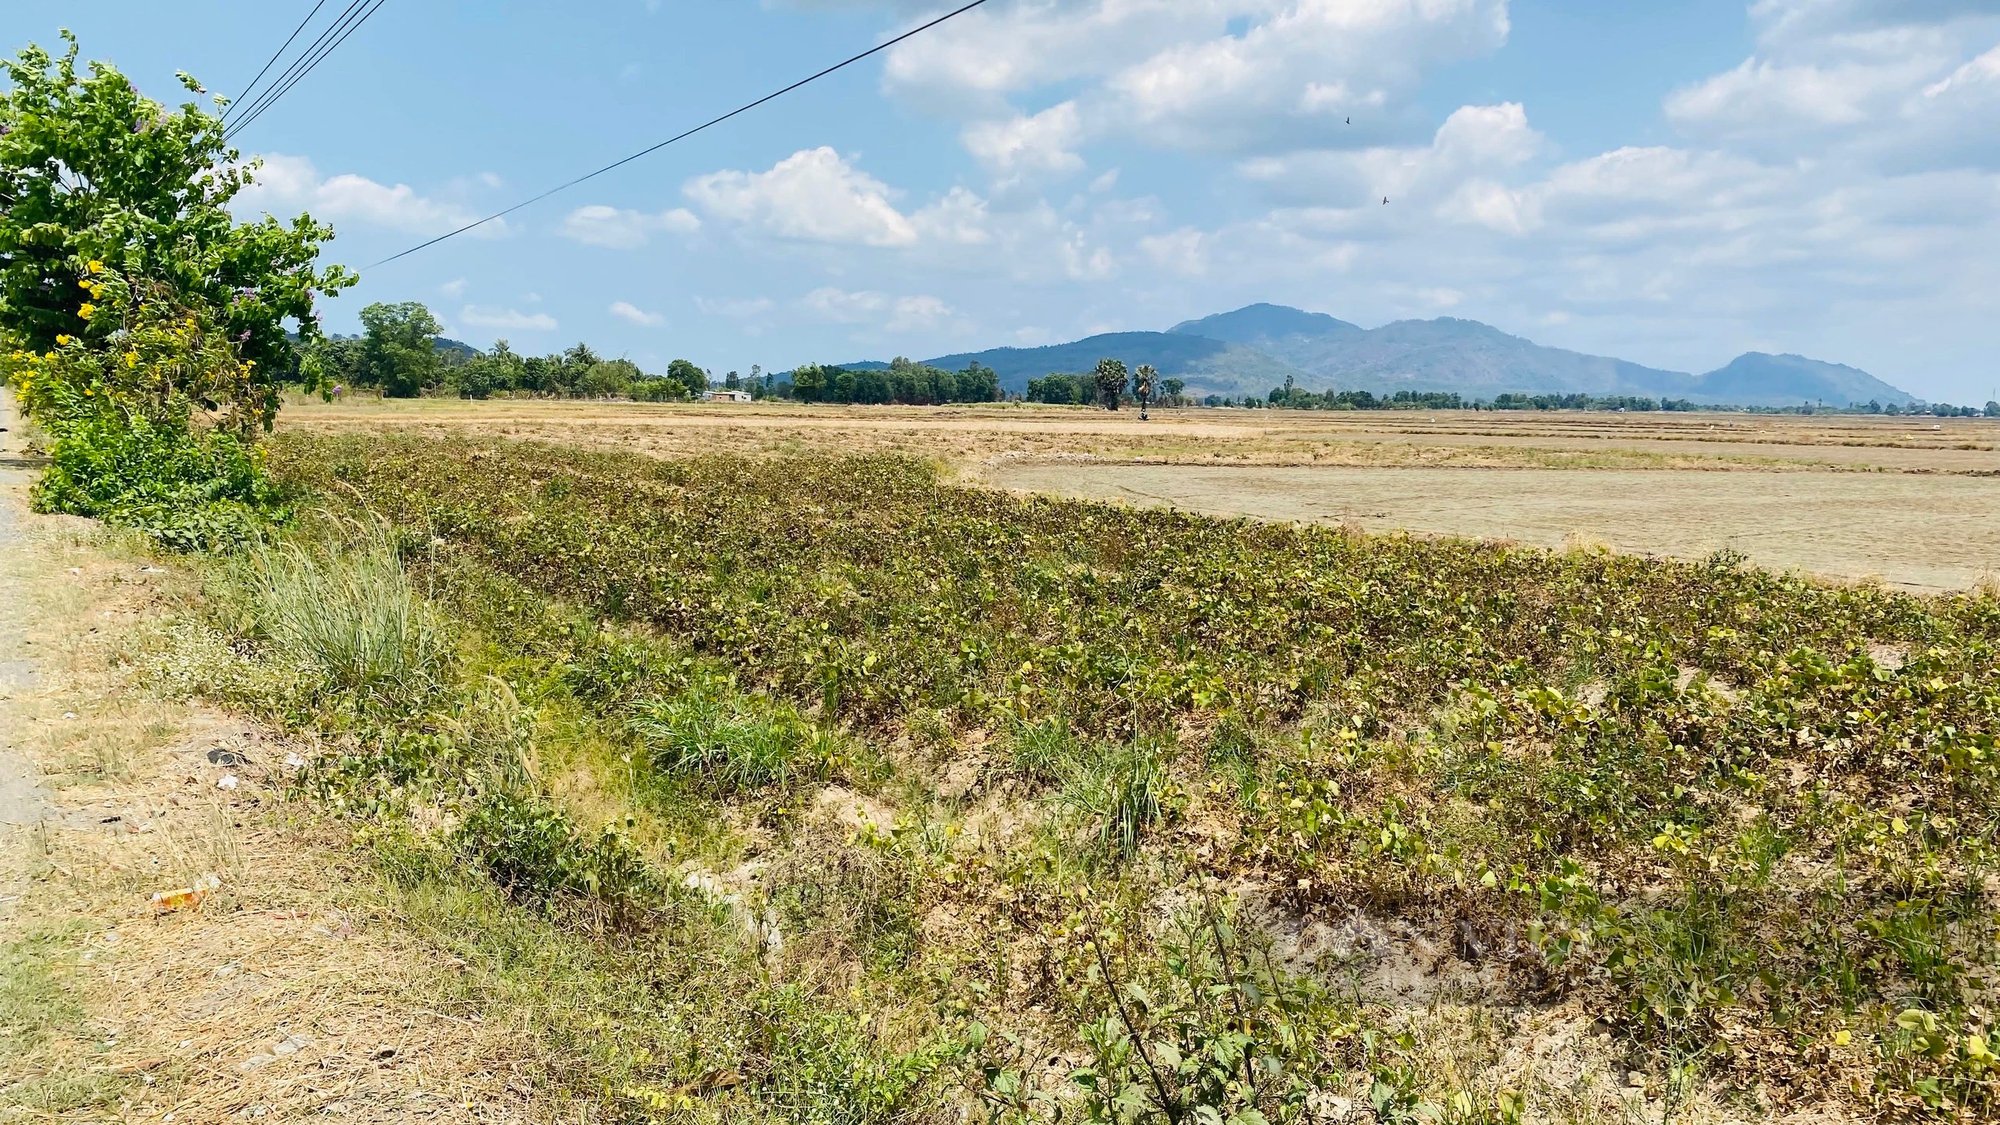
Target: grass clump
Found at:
x=351, y=613
x=728, y=744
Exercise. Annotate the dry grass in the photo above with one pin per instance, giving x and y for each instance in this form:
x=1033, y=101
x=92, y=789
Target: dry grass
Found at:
x=970, y=438
x=286, y=993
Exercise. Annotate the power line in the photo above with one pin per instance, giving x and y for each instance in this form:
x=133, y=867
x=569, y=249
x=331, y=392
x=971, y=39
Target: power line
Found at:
x=275, y=56
x=293, y=67
x=877, y=49
x=244, y=122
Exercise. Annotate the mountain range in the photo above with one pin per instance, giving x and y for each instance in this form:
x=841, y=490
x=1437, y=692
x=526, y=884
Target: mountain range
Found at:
x=1255, y=348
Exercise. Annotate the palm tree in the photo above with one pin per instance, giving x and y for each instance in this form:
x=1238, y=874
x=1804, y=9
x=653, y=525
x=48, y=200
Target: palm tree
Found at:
x=1143, y=382
x=1110, y=382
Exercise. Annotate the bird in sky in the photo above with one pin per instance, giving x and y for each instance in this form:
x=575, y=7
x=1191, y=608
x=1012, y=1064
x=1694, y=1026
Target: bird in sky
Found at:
x=1350, y=121
x=1385, y=201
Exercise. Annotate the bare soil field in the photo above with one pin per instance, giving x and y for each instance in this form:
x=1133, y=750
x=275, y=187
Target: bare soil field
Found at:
x=971, y=437
x=1911, y=501
x=1919, y=531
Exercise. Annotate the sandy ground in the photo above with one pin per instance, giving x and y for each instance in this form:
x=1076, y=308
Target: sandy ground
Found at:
x=22, y=801
x=1915, y=530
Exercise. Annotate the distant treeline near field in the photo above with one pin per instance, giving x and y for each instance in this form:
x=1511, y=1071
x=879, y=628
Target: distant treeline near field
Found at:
x=402, y=355
x=1296, y=398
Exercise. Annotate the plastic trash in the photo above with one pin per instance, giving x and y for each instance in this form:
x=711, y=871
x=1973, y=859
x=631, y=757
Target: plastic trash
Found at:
x=188, y=897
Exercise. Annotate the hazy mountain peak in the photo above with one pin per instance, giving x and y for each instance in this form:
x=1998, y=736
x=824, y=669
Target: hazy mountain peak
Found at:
x=1790, y=379
x=1253, y=323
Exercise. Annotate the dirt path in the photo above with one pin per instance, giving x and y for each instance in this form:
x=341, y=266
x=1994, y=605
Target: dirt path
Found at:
x=280, y=989
x=1931, y=532
x=22, y=801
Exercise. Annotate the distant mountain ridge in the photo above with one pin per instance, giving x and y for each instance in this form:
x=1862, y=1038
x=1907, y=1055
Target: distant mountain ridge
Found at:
x=1254, y=348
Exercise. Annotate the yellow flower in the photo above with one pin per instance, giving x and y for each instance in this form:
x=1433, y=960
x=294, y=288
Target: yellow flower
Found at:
x=86, y=310
x=96, y=266
x=63, y=340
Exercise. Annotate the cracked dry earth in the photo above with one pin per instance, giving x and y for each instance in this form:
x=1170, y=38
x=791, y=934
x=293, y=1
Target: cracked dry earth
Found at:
x=281, y=990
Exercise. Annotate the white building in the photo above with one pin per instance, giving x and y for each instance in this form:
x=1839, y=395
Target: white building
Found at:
x=723, y=395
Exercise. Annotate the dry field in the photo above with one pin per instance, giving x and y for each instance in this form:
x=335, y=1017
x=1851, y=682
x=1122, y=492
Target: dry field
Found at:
x=1910, y=501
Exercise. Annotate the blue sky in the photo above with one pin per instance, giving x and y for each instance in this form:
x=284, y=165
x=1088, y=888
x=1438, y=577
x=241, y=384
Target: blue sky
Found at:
x=1668, y=183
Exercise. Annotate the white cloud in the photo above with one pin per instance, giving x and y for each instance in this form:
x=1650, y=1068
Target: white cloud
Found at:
x=620, y=229
x=512, y=319
x=866, y=307
x=817, y=196
x=735, y=308
x=1857, y=84
x=1041, y=143
x=454, y=288
x=288, y=184
x=1982, y=70
x=633, y=314
x=813, y=195
x=1183, y=251
x=1172, y=75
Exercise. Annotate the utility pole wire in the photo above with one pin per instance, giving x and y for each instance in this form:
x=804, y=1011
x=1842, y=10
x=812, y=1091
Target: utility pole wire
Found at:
x=877, y=49
x=242, y=107
x=273, y=95
x=275, y=56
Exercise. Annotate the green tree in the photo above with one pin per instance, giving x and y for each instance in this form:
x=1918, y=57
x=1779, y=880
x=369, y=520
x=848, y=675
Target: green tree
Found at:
x=399, y=348
x=609, y=378
x=808, y=382
x=1174, y=388
x=481, y=376
x=92, y=171
x=1110, y=378
x=978, y=383
x=688, y=375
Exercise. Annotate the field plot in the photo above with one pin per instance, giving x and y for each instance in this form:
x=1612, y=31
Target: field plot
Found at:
x=1913, y=501
x=923, y=802
x=969, y=438
x=1917, y=530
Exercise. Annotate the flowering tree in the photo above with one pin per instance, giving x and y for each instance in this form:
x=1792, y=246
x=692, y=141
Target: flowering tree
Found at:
x=146, y=330
x=90, y=171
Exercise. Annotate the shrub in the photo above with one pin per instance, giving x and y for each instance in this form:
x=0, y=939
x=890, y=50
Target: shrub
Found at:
x=538, y=854
x=185, y=489
x=152, y=425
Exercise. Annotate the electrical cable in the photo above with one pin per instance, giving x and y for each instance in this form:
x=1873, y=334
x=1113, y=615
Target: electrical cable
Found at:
x=877, y=49
x=293, y=67
x=279, y=53
x=296, y=66
x=245, y=122
x=266, y=103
